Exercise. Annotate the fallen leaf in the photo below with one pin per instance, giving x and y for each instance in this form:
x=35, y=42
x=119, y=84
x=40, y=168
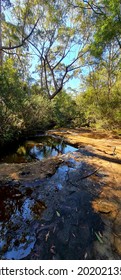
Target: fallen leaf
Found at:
x=100, y=234
x=52, y=249
x=47, y=236
x=54, y=229
x=58, y=214
x=85, y=256
x=99, y=238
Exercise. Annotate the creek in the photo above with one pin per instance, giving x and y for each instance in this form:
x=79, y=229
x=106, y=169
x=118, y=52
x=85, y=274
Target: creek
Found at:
x=50, y=217
x=36, y=148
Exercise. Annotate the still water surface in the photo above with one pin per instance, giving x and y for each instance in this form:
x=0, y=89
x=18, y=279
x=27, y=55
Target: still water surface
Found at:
x=37, y=148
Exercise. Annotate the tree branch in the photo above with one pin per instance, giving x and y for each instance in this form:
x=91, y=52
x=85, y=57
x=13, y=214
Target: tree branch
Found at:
x=46, y=82
x=92, y=6
x=23, y=40
x=52, y=72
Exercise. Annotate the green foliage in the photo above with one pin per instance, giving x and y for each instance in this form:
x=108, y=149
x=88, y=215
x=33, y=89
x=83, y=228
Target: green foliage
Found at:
x=11, y=98
x=111, y=109
x=107, y=25
x=11, y=92
x=36, y=112
x=21, y=108
x=87, y=112
x=64, y=109
x=97, y=107
x=93, y=29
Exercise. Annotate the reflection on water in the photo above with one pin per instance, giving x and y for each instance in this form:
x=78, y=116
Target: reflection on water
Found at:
x=17, y=212
x=50, y=150
x=21, y=250
x=38, y=148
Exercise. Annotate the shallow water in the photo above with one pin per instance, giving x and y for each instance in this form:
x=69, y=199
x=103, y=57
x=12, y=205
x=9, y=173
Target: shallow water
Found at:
x=37, y=148
x=17, y=212
x=21, y=207
x=55, y=210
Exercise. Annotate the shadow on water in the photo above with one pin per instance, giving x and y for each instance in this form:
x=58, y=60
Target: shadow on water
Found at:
x=69, y=225
x=37, y=148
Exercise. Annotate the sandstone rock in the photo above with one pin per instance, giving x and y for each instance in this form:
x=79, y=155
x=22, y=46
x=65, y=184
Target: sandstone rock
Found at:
x=117, y=224
x=105, y=207
x=117, y=245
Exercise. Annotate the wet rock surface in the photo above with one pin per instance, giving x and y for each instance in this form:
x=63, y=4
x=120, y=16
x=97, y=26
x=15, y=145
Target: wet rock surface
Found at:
x=67, y=207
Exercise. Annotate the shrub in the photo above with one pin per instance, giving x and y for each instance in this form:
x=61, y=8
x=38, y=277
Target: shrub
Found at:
x=37, y=112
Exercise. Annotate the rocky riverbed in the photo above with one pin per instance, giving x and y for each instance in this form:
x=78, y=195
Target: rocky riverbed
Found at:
x=65, y=207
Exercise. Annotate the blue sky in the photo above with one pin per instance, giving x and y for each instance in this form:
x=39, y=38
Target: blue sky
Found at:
x=73, y=83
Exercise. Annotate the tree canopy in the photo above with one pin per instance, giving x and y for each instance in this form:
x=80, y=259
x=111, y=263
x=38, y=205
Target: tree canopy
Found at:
x=45, y=44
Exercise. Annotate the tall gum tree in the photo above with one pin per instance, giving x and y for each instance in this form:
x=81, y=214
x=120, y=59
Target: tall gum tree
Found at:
x=50, y=31
x=60, y=45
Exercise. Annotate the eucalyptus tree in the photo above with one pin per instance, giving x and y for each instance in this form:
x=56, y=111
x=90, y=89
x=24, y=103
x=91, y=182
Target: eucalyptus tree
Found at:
x=60, y=44
x=49, y=30
x=104, y=19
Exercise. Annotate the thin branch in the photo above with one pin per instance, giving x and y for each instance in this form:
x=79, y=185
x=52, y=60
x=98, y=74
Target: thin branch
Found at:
x=90, y=174
x=23, y=41
x=63, y=56
x=74, y=68
x=75, y=60
x=84, y=177
x=93, y=6
x=90, y=7
x=31, y=43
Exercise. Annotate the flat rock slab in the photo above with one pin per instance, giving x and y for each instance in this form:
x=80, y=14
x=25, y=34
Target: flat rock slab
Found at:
x=30, y=171
x=69, y=207
x=105, y=207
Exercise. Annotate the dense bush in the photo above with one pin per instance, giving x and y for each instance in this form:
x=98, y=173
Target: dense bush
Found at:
x=64, y=110
x=24, y=107
x=37, y=112
x=96, y=108
x=11, y=99
x=20, y=108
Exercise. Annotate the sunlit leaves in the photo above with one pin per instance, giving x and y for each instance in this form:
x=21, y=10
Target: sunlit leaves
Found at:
x=108, y=24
